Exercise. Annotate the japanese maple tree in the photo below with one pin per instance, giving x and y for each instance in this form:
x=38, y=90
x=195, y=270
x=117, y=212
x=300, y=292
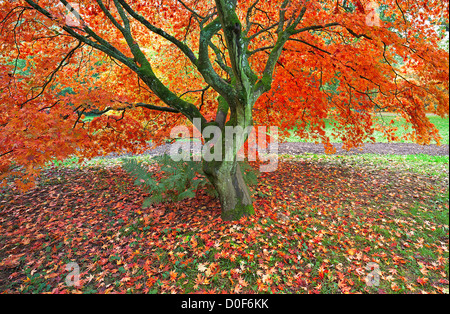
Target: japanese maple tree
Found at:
x=144, y=67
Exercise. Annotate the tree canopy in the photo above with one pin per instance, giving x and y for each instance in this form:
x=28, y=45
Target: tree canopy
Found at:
x=145, y=66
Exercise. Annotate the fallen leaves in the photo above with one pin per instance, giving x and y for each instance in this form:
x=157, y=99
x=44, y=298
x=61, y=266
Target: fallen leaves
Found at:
x=422, y=281
x=333, y=233
x=12, y=261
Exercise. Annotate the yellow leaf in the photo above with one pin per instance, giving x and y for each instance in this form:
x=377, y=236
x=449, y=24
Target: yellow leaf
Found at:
x=201, y=267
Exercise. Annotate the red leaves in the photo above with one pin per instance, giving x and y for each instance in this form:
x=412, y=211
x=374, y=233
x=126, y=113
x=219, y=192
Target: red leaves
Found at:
x=422, y=281
x=360, y=7
x=325, y=237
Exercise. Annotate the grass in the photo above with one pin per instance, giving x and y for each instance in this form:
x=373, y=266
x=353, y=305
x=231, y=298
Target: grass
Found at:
x=442, y=124
x=321, y=222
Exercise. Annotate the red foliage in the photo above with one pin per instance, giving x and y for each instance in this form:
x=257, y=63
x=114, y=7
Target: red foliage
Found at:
x=334, y=66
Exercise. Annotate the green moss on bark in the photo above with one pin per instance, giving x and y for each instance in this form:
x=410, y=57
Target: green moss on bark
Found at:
x=238, y=212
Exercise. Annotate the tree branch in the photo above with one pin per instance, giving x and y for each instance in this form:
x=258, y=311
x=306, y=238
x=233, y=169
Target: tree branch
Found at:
x=196, y=91
x=59, y=67
x=311, y=45
x=183, y=47
x=101, y=44
x=314, y=27
x=204, y=63
x=192, y=11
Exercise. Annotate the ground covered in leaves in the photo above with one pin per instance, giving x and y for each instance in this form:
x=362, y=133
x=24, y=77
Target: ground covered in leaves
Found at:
x=320, y=227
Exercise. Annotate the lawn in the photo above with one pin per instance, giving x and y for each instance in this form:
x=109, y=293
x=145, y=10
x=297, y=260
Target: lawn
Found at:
x=442, y=124
x=324, y=224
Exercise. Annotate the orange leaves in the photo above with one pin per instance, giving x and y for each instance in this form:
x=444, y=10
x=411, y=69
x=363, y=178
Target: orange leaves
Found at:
x=173, y=275
x=201, y=280
x=341, y=72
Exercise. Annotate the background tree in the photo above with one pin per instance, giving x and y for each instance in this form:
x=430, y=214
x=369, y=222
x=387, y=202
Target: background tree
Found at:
x=160, y=63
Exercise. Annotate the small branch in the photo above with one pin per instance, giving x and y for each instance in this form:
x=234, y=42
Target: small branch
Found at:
x=196, y=91
x=7, y=153
x=308, y=44
x=157, y=108
x=50, y=107
x=79, y=117
x=60, y=66
x=220, y=59
x=358, y=35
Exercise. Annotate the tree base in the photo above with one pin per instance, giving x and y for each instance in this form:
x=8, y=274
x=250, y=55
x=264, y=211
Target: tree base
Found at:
x=232, y=190
x=238, y=212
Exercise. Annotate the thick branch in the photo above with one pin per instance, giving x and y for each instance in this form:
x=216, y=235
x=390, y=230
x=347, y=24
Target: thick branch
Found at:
x=204, y=63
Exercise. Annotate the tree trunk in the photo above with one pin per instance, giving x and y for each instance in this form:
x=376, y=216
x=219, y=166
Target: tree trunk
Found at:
x=234, y=195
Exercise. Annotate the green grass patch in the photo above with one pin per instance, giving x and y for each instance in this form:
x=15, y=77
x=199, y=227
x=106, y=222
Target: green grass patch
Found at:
x=442, y=124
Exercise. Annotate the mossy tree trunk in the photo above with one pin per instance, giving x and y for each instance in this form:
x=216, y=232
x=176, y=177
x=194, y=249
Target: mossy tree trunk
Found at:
x=221, y=166
x=233, y=192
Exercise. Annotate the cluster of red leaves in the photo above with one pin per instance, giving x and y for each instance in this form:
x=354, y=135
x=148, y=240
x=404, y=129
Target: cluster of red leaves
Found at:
x=316, y=229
